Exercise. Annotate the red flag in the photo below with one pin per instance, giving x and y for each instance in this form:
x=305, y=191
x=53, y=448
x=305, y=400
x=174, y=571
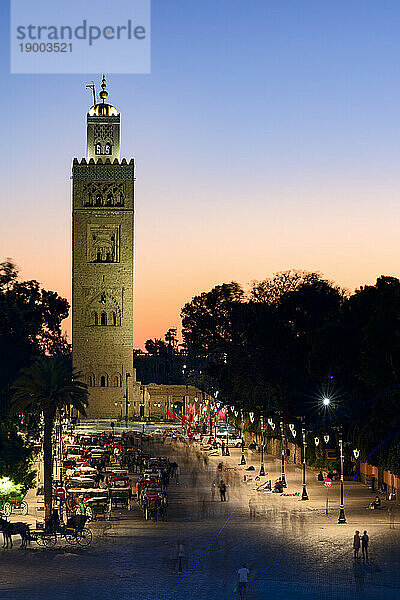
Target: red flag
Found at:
x=171, y=415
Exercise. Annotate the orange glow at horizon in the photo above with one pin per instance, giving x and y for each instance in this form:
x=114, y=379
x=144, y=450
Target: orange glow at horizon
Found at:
x=226, y=242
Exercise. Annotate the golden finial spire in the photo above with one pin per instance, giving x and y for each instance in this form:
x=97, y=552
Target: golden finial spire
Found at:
x=103, y=94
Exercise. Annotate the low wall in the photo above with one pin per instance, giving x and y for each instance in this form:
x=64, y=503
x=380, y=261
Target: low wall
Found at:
x=377, y=478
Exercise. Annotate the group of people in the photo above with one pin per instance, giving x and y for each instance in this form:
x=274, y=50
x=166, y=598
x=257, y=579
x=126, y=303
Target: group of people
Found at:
x=362, y=542
x=221, y=485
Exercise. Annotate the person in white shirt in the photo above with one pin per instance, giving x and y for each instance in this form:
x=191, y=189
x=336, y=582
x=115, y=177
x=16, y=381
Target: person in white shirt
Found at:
x=243, y=579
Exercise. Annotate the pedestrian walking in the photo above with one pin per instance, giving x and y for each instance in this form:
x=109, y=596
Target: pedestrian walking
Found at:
x=213, y=488
x=181, y=556
x=364, y=545
x=223, y=448
x=356, y=543
x=242, y=581
x=252, y=508
x=222, y=491
x=177, y=474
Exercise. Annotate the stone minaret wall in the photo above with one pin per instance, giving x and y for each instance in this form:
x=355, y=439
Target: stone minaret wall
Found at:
x=103, y=280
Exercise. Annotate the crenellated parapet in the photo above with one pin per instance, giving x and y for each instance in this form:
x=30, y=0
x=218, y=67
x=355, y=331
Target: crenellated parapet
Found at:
x=104, y=169
x=103, y=161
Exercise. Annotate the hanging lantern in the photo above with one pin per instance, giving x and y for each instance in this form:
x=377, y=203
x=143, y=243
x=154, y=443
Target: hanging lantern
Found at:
x=232, y=408
x=326, y=438
x=236, y=413
x=356, y=453
x=270, y=422
x=294, y=432
x=291, y=426
x=316, y=440
x=273, y=426
x=251, y=415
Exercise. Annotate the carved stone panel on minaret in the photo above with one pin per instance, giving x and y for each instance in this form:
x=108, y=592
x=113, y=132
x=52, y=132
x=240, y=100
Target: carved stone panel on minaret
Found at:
x=103, y=243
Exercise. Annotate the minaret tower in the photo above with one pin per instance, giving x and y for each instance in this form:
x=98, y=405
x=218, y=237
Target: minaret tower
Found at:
x=102, y=263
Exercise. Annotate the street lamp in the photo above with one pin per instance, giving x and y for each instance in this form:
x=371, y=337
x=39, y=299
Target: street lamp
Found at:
x=262, y=470
x=304, y=495
x=283, y=477
x=243, y=459
x=342, y=518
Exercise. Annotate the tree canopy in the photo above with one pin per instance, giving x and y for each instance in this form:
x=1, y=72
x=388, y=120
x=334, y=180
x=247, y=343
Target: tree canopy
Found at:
x=297, y=336
x=30, y=327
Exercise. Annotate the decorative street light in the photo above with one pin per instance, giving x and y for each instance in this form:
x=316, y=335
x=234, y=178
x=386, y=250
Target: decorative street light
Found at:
x=342, y=518
x=283, y=477
x=356, y=453
x=316, y=440
x=262, y=470
x=243, y=459
x=326, y=438
x=304, y=495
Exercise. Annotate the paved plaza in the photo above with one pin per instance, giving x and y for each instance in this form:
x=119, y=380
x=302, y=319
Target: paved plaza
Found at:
x=291, y=547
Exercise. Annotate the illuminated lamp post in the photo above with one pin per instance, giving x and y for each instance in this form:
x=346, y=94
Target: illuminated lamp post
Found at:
x=283, y=476
x=342, y=518
x=304, y=495
x=243, y=459
x=262, y=470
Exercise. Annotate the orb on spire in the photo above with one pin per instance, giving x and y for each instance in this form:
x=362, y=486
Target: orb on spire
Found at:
x=103, y=94
x=102, y=109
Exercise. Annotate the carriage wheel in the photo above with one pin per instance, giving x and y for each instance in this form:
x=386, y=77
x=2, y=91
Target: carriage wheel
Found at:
x=7, y=509
x=84, y=537
x=70, y=538
x=49, y=540
x=24, y=508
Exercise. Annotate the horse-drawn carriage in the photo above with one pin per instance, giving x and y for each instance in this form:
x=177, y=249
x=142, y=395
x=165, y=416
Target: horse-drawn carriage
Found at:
x=90, y=502
x=119, y=491
x=73, y=532
x=11, y=502
x=153, y=502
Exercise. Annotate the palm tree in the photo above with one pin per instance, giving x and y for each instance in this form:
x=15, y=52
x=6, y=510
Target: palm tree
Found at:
x=48, y=385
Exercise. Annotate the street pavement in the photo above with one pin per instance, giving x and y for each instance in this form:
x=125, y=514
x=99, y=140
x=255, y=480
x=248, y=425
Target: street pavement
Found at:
x=291, y=547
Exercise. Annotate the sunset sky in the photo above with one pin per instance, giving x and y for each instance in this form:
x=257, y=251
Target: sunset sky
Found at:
x=266, y=137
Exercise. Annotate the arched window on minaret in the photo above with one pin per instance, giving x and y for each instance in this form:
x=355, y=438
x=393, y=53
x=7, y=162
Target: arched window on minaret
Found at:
x=113, y=318
x=99, y=200
x=110, y=200
x=103, y=320
x=103, y=381
x=98, y=148
x=108, y=149
x=96, y=318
